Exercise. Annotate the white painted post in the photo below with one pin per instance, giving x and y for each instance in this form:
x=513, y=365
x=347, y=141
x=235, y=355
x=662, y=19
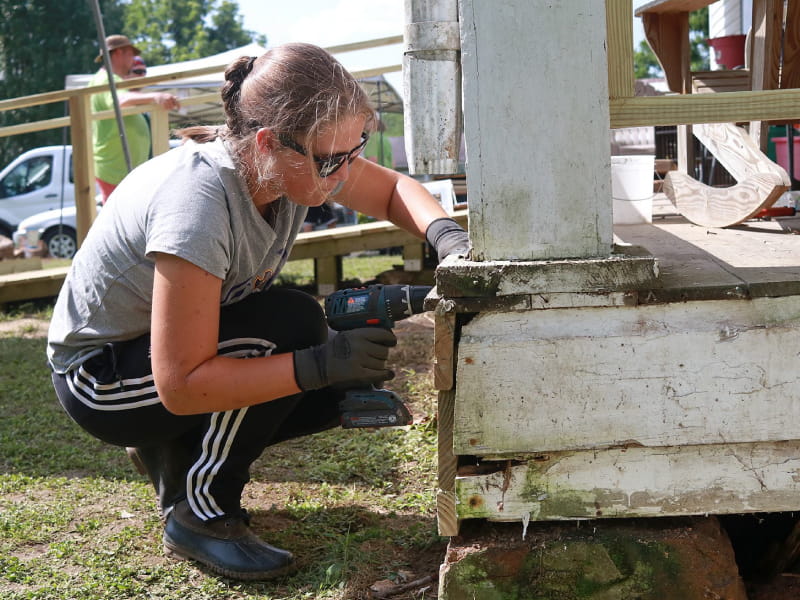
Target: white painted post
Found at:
x=536, y=120
x=432, y=86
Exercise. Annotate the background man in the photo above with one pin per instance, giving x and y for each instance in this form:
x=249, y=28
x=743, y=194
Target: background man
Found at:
x=109, y=158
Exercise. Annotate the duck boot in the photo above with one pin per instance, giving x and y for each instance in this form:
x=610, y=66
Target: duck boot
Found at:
x=166, y=465
x=226, y=545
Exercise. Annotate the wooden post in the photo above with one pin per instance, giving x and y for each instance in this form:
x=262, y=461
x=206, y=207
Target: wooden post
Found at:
x=413, y=255
x=790, y=74
x=765, y=59
x=448, y=464
x=675, y=57
x=159, y=130
x=539, y=178
x=686, y=156
x=445, y=347
x=619, y=19
x=327, y=274
x=82, y=162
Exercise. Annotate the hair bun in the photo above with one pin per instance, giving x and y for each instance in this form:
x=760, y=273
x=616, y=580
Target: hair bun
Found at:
x=239, y=70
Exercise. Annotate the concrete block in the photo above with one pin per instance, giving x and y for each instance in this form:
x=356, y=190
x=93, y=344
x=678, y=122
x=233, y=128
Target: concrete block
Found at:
x=642, y=559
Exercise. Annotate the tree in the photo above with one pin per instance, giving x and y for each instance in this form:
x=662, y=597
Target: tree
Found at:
x=175, y=30
x=228, y=32
x=644, y=59
x=40, y=44
x=43, y=42
x=645, y=63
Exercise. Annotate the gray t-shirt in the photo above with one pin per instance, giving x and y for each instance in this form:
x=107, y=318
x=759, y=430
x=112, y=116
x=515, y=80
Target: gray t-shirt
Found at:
x=189, y=202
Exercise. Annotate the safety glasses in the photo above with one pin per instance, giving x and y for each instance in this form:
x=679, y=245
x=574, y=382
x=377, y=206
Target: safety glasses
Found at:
x=326, y=165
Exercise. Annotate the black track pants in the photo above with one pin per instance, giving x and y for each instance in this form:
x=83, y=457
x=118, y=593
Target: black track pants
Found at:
x=113, y=397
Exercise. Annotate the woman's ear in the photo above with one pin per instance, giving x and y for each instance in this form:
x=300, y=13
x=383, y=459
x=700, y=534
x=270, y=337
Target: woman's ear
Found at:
x=265, y=140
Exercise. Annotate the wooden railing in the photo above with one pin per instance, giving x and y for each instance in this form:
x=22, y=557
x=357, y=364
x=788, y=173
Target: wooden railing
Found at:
x=760, y=94
x=80, y=119
x=326, y=247
x=629, y=111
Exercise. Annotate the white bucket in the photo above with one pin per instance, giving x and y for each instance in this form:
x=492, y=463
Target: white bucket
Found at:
x=30, y=243
x=632, y=188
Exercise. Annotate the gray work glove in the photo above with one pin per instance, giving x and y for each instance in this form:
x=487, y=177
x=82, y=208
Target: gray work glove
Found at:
x=358, y=355
x=447, y=237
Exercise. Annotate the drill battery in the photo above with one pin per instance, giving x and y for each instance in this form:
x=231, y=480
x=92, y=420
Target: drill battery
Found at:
x=373, y=408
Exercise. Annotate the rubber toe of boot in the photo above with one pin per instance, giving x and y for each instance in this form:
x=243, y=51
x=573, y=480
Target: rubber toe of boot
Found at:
x=226, y=546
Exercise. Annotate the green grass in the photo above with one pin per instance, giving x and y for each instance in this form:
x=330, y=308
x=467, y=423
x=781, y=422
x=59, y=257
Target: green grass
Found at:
x=76, y=520
x=37, y=309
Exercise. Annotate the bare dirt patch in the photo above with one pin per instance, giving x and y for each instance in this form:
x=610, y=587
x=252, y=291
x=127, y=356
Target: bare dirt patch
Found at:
x=25, y=328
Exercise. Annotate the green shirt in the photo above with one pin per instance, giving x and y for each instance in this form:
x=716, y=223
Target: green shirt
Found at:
x=109, y=159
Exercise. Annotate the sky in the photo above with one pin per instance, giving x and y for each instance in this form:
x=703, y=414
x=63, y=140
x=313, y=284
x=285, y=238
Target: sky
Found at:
x=329, y=23
x=333, y=22
x=324, y=22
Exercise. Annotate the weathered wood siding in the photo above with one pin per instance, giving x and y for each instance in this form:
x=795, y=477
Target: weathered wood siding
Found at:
x=678, y=396
x=637, y=482
x=662, y=375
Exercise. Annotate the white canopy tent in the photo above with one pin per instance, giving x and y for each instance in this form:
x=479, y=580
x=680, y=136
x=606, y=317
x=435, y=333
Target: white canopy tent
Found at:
x=209, y=111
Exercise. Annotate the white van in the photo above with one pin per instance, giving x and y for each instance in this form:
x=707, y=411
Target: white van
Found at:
x=54, y=225
x=37, y=180
x=56, y=229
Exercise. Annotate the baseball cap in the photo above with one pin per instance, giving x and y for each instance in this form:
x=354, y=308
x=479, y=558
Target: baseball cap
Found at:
x=139, y=67
x=115, y=42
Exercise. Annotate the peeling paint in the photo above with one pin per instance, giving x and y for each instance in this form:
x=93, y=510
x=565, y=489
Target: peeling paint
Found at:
x=637, y=482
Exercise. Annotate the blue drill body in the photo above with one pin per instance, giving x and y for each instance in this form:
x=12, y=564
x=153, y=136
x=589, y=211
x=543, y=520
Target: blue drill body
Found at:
x=373, y=306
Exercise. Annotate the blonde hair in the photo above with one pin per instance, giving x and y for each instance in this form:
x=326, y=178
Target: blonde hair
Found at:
x=294, y=89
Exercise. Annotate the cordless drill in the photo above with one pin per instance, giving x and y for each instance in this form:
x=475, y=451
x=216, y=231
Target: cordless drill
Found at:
x=373, y=306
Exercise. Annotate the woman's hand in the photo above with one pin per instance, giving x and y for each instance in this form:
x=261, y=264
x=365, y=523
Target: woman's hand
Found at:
x=358, y=355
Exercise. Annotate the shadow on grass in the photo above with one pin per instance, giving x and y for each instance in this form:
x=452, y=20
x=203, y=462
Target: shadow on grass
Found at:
x=344, y=546
x=337, y=456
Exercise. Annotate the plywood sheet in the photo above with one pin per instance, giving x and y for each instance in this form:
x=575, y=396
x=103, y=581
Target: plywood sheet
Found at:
x=722, y=207
x=759, y=258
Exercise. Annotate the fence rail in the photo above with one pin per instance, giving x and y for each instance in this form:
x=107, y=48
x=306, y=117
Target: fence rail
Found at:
x=80, y=118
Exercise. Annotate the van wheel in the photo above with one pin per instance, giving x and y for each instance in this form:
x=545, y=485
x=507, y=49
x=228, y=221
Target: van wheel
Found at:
x=61, y=244
x=6, y=231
